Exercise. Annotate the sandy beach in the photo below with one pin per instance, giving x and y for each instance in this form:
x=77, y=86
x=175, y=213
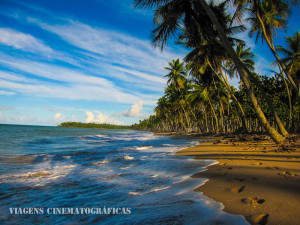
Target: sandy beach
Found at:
x=253, y=178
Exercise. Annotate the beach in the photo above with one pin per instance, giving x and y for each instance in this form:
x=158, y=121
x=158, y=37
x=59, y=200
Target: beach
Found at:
x=252, y=178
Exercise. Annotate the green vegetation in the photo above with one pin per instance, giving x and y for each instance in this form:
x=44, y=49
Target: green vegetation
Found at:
x=198, y=97
x=93, y=125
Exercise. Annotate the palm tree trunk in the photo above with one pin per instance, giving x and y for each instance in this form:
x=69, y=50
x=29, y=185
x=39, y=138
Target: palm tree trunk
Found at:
x=273, y=133
x=241, y=110
x=222, y=117
x=214, y=114
x=186, y=117
x=206, y=123
x=281, y=127
x=225, y=82
x=290, y=100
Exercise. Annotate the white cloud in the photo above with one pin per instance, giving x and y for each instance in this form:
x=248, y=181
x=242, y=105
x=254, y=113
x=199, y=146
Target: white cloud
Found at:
x=100, y=118
x=72, y=91
x=135, y=111
x=112, y=67
x=244, y=36
x=113, y=47
x=23, y=41
x=6, y=108
x=47, y=70
x=58, y=117
x=7, y=92
x=18, y=119
x=263, y=66
x=74, y=118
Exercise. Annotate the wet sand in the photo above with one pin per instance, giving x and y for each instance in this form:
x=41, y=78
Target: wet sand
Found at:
x=252, y=178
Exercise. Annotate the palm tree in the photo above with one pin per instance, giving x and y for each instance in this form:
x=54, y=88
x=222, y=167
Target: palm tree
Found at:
x=212, y=53
x=266, y=17
x=292, y=56
x=200, y=17
x=246, y=57
x=177, y=74
x=292, y=62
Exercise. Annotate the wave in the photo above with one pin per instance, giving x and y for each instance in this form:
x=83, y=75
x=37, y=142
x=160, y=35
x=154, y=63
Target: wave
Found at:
x=144, y=147
x=151, y=191
x=127, y=167
x=39, y=176
x=101, y=162
x=169, y=145
x=36, y=174
x=127, y=157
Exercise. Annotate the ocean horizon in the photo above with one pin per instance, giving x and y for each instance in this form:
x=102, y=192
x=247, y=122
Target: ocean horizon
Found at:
x=93, y=176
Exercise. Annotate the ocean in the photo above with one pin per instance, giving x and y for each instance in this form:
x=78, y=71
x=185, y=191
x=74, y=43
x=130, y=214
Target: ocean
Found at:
x=56, y=175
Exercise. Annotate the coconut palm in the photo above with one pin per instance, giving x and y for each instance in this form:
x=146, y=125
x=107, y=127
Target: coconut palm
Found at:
x=198, y=17
x=266, y=16
x=292, y=62
x=246, y=57
x=292, y=55
x=177, y=74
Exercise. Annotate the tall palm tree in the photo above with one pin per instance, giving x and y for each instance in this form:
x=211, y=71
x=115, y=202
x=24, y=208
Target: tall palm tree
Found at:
x=200, y=16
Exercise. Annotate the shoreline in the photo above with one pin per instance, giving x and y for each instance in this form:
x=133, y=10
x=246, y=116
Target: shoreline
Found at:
x=252, y=177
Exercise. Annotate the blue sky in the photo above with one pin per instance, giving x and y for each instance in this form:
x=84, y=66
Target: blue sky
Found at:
x=88, y=61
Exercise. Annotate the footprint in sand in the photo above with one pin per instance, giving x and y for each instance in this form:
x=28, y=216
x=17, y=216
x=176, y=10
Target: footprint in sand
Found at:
x=239, y=179
x=253, y=201
x=272, y=168
x=237, y=189
x=287, y=174
x=217, y=142
x=222, y=164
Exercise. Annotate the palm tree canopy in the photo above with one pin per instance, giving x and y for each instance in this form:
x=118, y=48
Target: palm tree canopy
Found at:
x=172, y=15
x=292, y=53
x=246, y=57
x=177, y=74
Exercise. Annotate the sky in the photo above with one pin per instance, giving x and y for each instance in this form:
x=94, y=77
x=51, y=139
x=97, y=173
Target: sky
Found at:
x=88, y=61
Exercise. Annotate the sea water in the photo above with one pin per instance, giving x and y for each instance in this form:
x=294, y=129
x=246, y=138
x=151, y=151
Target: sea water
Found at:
x=54, y=168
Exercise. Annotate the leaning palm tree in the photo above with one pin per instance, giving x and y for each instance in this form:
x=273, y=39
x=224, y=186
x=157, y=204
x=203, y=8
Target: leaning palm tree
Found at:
x=200, y=17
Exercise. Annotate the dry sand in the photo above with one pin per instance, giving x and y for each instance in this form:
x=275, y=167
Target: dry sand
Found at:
x=252, y=178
